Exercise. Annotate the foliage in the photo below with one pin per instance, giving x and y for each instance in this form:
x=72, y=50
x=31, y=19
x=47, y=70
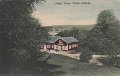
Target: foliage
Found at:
x=111, y=61
x=72, y=67
x=19, y=35
x=78, y=49
x=75, y=32
x=105, y=36
x=86, y=55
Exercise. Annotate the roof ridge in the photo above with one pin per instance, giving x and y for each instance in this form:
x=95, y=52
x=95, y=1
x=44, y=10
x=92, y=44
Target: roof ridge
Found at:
x=66, y=39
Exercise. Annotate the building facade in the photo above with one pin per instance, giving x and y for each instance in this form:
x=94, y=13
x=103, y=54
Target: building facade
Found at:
x=61, y=44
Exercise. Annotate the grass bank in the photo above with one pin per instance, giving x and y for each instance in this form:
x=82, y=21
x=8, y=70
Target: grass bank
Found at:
x=72, y=67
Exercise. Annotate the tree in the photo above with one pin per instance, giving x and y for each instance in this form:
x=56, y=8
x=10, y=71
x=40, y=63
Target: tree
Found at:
x=78, y=33
x=75, y=32
x=105, y=36
x=86, y=55
x=18, y=34
x=64, y=33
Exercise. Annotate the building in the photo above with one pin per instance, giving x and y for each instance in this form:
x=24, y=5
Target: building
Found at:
x=55, y=30
x=61, y=44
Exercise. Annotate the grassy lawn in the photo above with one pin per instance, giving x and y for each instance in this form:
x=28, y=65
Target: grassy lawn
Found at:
x=71, y=67
x=65, y=66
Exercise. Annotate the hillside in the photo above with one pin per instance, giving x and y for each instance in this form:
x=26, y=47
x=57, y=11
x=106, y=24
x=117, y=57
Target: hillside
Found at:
x=71, y=67
x=63, y=27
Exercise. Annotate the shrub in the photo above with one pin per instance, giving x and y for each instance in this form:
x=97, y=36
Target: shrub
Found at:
x=111, y=61
x=96, y=62
x=86, y=55
x=78, y=49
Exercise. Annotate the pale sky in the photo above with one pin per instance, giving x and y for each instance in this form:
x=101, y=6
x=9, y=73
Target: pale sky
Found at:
x=48, y=13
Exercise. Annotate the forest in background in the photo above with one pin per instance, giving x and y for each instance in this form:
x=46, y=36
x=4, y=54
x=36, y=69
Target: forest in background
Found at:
x=103, y=38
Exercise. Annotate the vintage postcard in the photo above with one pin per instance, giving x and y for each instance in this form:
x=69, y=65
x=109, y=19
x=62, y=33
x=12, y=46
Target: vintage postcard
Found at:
x=59, y=37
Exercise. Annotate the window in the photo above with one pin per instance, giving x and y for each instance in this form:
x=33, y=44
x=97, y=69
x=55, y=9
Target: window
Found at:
x=69, y=46
x=64, y=47
x=48, y=46
x=60, y=41
x=56, y=46
x=72, y=45
x=51, y=46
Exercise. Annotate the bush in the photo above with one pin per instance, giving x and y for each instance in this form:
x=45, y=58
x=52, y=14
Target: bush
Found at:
x=78, y=49
x=96, y=62
x=111, y=61
x=86, y=55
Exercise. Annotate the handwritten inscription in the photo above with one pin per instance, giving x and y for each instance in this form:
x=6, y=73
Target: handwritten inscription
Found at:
x=69, y=3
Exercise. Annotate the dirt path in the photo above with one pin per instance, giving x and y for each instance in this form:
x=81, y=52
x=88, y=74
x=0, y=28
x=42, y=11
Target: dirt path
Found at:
x=74, y=56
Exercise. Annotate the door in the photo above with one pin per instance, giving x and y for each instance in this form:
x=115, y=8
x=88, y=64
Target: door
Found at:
x=59, y=47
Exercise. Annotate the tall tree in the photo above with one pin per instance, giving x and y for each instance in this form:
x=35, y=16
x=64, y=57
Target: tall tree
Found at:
x=18, y=34
x=105, y=36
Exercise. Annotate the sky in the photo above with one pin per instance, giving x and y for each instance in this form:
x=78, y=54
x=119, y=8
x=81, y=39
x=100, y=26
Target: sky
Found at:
x=57, y=12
